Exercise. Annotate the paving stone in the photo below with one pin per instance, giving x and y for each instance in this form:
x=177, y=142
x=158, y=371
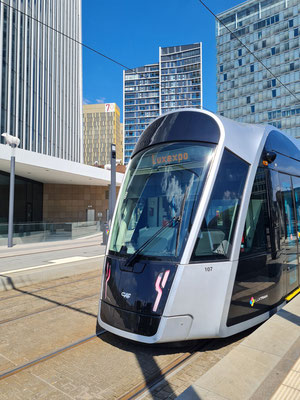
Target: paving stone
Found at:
x=104, y=368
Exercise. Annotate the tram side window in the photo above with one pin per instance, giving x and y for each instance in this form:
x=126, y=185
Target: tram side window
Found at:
x=277, y=214
x=255, y=233
x=217, y=231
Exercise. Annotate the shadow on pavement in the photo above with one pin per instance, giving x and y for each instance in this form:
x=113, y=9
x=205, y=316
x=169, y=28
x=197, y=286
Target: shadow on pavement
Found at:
x=146, y=354
x=57, y=303
x=289, y=316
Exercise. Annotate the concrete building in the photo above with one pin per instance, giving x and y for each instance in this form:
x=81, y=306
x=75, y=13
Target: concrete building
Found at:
x=101, y=128
x=154, y=89
x=247, y=92
x=50, y=189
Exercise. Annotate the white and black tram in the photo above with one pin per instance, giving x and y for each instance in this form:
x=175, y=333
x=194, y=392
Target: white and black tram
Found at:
x=205, y=240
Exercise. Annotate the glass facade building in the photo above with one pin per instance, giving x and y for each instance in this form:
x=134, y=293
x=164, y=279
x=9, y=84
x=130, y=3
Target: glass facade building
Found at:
x=41, y=76
x=175, y=82
x=141, y=103
x=180, y=77
x=246, y=90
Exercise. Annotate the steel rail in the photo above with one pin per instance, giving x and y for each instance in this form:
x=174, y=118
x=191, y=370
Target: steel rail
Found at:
x=47, y=288
x=5, y=321
x=48, y=356
x=156, y=378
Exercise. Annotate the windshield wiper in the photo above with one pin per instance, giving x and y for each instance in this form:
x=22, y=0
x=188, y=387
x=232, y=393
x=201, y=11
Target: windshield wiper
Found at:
x=180, y=217
x=141, y=248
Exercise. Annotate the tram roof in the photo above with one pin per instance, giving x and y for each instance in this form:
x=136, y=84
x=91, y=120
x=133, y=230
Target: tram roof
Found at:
x=242, y=138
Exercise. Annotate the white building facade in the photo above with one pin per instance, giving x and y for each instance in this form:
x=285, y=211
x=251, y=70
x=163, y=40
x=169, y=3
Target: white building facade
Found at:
x=41, y=76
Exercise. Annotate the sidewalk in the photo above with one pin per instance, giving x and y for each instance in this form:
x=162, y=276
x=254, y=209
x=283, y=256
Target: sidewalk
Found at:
x=34, y=248
x=26, y=264
x=266, y=365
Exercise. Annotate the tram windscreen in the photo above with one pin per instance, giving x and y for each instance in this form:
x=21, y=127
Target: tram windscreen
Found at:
x=159, y=199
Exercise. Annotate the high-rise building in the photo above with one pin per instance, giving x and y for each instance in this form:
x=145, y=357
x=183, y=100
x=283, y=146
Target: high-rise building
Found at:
x=247, y=91
x=175, y=82
x=180, y=77
x=41, y=103
x=141, y=103
x=101, y=128
x=41, y=76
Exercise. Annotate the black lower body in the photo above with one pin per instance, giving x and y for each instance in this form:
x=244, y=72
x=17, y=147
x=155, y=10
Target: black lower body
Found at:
x=129, y=321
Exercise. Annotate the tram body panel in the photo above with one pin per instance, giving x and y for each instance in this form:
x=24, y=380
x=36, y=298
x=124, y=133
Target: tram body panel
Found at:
x=200, y=291
x=245, y=140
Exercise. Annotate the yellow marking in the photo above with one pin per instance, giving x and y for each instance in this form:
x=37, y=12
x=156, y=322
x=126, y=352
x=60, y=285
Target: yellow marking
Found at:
x=289, y=297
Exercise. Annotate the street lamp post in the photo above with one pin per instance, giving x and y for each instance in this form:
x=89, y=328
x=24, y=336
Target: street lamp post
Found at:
x=13, y=142
x=112, y=189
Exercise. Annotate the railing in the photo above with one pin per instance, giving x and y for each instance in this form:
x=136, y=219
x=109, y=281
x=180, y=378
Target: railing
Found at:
x=47, y=232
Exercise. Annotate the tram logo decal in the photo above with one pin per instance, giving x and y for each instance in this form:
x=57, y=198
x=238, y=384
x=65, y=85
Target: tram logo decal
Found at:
x=169, y=159
x=126, y=295
x=252, y=300
x=159, y=285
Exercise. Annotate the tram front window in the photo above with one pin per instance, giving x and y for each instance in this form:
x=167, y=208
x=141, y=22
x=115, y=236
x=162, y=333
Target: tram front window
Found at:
x=159, y=198
x=215, y=237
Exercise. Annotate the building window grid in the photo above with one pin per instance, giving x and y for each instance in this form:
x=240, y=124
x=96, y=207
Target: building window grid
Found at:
x=177, y=69
x=221, y=62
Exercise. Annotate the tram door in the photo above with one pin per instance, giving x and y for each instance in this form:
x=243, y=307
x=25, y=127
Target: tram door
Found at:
x=296, y=186
x=291, y=235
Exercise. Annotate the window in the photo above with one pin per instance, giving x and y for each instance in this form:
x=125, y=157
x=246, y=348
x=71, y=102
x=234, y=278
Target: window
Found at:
x=296, y=32
x=217, y=230
x=240, y=52
x=264, y=43
x=240, y=62
x=221, y=68
x=252, y=109
x=274, y=93
x=164, y=182
x=225, y=77
x=273, y=51
x=254, y=238
x=291, y=23
x=292, y=66
x=248, y=99
x=273, y=82
x=252, y=68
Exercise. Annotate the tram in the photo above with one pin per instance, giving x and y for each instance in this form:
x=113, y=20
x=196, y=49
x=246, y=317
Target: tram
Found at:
x=205, y=239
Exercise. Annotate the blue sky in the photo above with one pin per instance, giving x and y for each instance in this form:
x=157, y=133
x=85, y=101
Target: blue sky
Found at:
x=131, y=32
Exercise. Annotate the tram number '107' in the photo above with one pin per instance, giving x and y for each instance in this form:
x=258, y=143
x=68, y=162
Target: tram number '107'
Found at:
x=208, y=269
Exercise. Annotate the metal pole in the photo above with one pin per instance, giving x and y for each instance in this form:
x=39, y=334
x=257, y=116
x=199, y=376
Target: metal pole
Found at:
x=112, y=189
x=11, y=200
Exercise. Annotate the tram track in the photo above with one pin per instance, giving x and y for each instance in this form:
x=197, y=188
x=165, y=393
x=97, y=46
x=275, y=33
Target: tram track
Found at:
x=134, y=393
x=50, y=355
x=56, y=305
x=48, y=288
x=154, y=380
x=140, y=388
